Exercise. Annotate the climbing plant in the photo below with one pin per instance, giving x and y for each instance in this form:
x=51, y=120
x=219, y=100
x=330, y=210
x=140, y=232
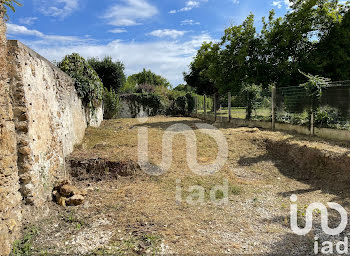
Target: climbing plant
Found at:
x=251, y=93
x=87, y=82
x=314, y=87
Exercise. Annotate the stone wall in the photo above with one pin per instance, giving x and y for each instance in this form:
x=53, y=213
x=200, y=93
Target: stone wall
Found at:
x=41, y=119
x=10, y=198
x=49, y=117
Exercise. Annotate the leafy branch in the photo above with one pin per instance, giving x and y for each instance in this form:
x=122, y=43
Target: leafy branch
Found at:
x=10, y=4
x=314, y=85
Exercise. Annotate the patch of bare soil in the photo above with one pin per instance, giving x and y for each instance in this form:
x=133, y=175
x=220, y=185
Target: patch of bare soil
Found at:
x=129, y=212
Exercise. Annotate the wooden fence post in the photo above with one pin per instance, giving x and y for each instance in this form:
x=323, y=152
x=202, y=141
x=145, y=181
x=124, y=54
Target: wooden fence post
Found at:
x=215, y=107
x=196, y=104
x=229, y=106
x=205, y=107
x=312, y=120
x=273, y=114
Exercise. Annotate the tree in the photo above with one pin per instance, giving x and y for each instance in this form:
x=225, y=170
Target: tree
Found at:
x=331, y=57
x=238, y=61
x=110, y=72
x=184, y=88
x=150, y=78
x=290, y=41
x=201, y=75
x=251, y=94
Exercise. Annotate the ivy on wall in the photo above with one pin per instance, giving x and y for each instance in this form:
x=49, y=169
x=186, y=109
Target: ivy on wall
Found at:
x=87, y=83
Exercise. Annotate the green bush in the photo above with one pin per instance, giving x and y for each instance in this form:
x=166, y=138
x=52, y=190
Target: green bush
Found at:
x=150, y=103
x=111, y=72
x=252, y=95
x=327, y=117
x=182, y=105
x=87, y=83
x=191, y=103
x=110, y=103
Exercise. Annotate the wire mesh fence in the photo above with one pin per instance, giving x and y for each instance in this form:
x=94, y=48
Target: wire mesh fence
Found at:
x=290, y=105
x=238, y=109
x=332, y=110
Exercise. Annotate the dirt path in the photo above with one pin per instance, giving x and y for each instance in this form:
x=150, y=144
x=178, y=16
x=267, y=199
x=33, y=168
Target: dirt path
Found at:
x=141, y=213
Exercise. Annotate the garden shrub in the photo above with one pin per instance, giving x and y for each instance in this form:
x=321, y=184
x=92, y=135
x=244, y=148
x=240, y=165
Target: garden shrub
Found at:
x=111, y=72
x=87, y=83
x=182, y=105
x=110, y=103
x=150, y=103
x=252, y=95
x=191, y=103
x=326, y=116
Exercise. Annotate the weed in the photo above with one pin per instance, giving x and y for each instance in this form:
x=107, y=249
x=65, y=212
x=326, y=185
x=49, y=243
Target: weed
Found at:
x=24, y=246
x=235, y=190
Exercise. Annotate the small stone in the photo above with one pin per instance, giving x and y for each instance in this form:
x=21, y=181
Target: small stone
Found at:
x=75, y=200
x=11, y=225
x=62, y=201
x=69, y=190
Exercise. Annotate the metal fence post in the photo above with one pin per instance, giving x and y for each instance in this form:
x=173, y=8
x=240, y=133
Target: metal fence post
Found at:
x=273, y=114
x=229, y=106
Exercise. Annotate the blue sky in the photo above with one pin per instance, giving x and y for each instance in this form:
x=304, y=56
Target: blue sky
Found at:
x=161, y=35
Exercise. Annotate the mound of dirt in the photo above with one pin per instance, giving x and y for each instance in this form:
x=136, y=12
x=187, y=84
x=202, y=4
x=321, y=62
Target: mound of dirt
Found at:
x=98, y=169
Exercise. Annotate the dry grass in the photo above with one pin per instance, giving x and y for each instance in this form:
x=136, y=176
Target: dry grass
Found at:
x=140, y=214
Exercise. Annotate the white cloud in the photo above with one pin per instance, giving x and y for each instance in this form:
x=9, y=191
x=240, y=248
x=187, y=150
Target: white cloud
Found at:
x=167, y=57
x=189, y=22
x=57, y=8
x=190, y=4
x=235, y=1
x=17, y=30
x=278, y=4
x=130, y=13
x=288, y=3
x=172, y=33
x=117, y=30
x=28, y=20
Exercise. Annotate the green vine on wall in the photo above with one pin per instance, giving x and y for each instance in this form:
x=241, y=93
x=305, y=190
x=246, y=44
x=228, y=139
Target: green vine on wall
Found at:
x=87, y=83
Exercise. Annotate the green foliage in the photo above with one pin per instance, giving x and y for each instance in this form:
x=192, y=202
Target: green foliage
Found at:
x=150, y=78
x=327, y=117
x=182, y=105
x=130, y=85
x=9, y=4
x=284, y=45
x=201, y=75
x=110, y=72
x=87, y=83
x=145, y=88
x=24, y=246
x=314, y=85
x=111, y=104
x=151, y=103
x=184, y=88
x=331, y=56
x=252, y=95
